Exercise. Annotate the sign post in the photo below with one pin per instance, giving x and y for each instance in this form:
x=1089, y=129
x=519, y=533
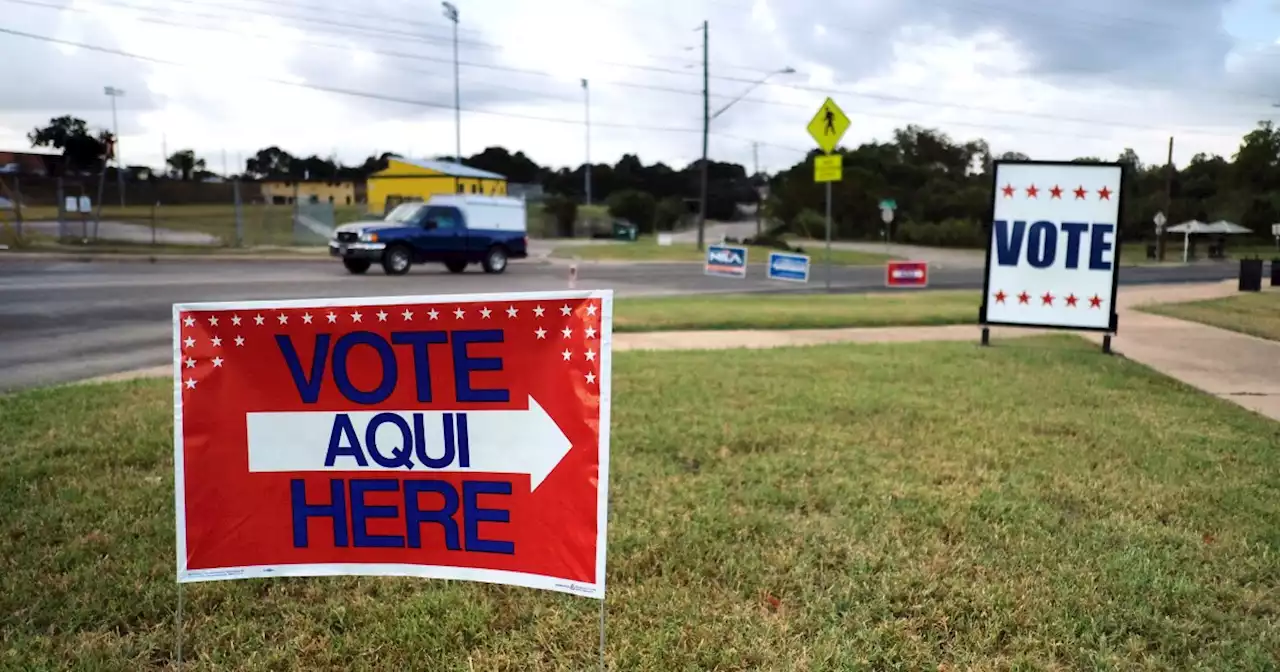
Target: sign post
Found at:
x=1160, y=221
x=1275, y=231
x=1053, y=255
x=826, y=128
x=459, y=437
x=887, y=206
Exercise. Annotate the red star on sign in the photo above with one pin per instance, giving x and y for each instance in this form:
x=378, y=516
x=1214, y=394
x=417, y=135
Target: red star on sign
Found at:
x=1047, y=299
x=1095, y=302
x=1055, y=192
x=1104, y=194
x=1080, y=192
x=1071, y=300
x=1000, y=296
x=1008, y=190
x=1024, y=298
x=1032, y=191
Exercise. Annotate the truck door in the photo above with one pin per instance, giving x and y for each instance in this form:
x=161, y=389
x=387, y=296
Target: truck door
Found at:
x=444, y=236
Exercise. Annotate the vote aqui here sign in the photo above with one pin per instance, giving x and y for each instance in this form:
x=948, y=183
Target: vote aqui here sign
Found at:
x=1052, y=260
x=458, y=437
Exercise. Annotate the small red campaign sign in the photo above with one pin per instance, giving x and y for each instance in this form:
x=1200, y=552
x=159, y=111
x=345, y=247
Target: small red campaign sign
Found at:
x=457, y=437
x=907, y=274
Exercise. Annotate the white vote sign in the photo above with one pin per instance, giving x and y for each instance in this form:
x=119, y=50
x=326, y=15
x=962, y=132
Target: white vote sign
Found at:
x=1054, y=249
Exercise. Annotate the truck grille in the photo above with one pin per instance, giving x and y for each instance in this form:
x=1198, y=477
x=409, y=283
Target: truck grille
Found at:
x=348, y=237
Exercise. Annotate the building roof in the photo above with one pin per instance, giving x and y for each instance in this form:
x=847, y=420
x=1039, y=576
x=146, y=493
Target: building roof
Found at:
x=452, y=169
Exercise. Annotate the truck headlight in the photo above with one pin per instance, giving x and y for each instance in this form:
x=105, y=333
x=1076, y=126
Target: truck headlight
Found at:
x=369, y=237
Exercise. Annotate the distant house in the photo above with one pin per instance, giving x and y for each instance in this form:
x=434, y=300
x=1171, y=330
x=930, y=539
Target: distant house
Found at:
x=420, y=179
x=39, y=164
x=283, y=192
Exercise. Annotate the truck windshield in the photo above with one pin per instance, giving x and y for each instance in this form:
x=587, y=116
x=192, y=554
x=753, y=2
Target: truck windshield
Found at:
x=405, y=212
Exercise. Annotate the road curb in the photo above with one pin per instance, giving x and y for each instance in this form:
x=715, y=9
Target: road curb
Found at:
x=129, y=257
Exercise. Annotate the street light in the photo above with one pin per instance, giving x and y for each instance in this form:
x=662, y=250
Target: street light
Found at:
x=113, y=93
x=706, y=131
x=586, y=94
x=451, y=13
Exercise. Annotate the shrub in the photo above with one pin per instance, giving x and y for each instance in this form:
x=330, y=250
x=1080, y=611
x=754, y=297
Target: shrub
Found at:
x=668, y=213
x=564, y=211
x=635, y=206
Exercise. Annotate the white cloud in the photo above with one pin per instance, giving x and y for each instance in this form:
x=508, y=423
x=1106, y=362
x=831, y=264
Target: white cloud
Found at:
x=891, y=64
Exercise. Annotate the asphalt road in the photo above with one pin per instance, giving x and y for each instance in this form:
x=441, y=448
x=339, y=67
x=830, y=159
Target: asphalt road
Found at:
x=63, y=321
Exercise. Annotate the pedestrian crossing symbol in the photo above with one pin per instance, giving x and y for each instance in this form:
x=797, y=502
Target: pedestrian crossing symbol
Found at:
x=828, y=125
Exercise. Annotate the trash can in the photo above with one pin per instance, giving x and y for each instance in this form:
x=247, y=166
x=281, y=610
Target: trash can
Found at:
x=1250, y=275
x=1275, y=272
x=625, y=231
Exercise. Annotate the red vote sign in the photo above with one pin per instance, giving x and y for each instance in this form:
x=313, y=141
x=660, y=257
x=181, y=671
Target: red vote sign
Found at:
x=458, y=437
x=907, y=274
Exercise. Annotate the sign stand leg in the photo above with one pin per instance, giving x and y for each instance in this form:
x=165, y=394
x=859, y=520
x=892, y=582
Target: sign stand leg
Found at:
x=828, y=236
x=1106, y=343
x=602, y=664
x=986, y=336
x=177, y=621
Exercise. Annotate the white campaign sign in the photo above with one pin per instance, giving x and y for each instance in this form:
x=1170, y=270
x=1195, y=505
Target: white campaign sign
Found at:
x=1051, y=260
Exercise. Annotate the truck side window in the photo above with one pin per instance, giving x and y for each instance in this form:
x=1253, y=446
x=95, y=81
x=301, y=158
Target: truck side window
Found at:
x=444, y=218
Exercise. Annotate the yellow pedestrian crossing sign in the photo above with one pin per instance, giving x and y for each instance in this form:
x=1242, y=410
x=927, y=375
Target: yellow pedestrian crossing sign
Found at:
x=828, y=125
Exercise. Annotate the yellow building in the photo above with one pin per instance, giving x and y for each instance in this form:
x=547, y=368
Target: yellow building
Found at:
x=418, y=180
x=282, y=192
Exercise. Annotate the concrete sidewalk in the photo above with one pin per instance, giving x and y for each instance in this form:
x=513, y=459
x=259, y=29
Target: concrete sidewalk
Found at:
x=1230, y=365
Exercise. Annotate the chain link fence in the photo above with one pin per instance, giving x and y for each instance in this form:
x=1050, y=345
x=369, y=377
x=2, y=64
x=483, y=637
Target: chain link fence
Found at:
x=216, y=215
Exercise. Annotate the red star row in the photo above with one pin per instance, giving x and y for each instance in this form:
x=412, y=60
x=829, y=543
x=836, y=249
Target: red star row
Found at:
x=1047, y=299
x=1104, y=194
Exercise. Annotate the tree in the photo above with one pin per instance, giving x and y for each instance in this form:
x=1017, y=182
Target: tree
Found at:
x=81, y=149
x=269, y=162
x=564, y=211
x=185, y=163
x=635, y=206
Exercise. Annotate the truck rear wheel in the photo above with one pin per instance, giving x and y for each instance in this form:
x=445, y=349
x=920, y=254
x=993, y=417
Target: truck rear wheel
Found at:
x=455, y=266
x=495, y=260
x=357, y=266
x=396, y=260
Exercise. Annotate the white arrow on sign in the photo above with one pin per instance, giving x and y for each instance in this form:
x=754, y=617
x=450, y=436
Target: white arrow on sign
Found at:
x=504, y=442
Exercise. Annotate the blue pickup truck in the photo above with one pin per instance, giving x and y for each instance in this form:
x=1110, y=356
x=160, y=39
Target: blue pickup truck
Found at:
x=454, y=230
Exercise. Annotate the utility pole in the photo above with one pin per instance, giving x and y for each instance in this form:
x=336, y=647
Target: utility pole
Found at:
x=113, y=93
x=755, y=173
x=1168, y=199
x=586, y=93
x=706, y=129
x=451, y=13
x=164, y=154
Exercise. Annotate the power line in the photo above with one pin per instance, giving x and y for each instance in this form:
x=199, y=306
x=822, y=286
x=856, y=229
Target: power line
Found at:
x=337, y=90
x=689, y=92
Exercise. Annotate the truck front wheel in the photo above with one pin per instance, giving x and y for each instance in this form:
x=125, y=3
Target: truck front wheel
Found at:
x=495, y=260
x=356, y=266
x=396, y=260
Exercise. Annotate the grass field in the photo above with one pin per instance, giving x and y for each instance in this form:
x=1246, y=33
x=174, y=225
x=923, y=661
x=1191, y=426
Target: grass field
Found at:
x=646, y=248
x=927, y=507
x=1248, y=313
x=1136, y=253
x=795, y=311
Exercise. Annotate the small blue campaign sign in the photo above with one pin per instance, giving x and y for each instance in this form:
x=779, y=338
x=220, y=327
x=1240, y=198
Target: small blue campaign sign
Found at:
x=1052, y=257
x=728, y=261
x=790, y=267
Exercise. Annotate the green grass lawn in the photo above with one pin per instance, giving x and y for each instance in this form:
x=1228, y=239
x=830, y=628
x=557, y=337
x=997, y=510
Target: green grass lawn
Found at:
x=922, y=507
x=1256, y=314
x=261, y=224
x=647, y=249
x=795, y=311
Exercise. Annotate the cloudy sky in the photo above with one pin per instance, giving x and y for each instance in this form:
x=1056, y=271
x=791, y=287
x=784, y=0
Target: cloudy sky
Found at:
x=1054, y=80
